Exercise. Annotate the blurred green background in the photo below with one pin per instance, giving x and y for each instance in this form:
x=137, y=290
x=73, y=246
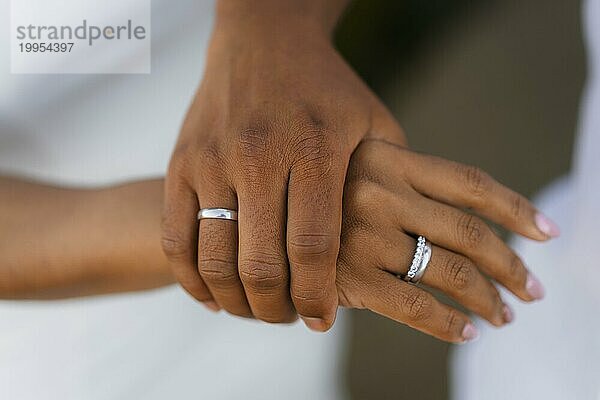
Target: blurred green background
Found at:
x=491, y=83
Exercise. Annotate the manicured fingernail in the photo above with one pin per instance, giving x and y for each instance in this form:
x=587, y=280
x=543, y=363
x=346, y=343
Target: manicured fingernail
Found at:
x=211, y=305
x=534, y=287
x=546, y=225
x=315, y=324
x=470, y=333
x=507, y=314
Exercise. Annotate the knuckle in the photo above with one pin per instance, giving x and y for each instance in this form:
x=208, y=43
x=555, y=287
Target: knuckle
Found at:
x=363, y=195
x=209, y=155
x=497, y=301
x=310, y=293
x=460, y=273
x=310, y=127
x=207, y=152
x=451, y=323
x=471, y=231
x=310, y=131
x=178, y=168
x=516, y=269
x=476, y=180
x=218, y=270
x=253, y=139
x=262, y=274
x=517, y=207
x=417, y=307
x=314, y=154
x=363, y=171
x=364, y=164
x=308, y=246
x=315, y=166
x=173, y=244
x=181, y=149
x=361, y=204
x=262, y=278
x=311, y=116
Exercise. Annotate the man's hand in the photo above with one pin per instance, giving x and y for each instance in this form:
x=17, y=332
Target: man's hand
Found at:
x=270, y=134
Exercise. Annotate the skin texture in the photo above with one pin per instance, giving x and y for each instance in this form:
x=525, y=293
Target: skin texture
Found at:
x=273, y=125
x=392, y=195
x=270, y=133
x=59, y=243
x=107, y=240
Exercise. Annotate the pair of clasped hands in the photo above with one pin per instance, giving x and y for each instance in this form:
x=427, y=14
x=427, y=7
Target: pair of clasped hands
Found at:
x=330, y=198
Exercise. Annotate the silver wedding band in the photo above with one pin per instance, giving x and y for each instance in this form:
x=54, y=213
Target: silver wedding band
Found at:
x=217, y=213
x=420, y=261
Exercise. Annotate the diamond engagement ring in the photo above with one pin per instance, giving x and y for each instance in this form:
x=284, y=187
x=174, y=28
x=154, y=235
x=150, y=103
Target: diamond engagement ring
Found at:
x=419, y=262
x=217, y=213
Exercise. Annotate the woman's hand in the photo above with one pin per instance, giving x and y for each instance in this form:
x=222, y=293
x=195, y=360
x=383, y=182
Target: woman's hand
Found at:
x=270, y=134
x=392, y=195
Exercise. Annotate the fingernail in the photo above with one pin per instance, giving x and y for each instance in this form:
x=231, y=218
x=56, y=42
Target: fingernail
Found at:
x=211, y=305
x=315, y=324
x=546, y=225
x=534, y=287
x=470, y=333
x=507, y=314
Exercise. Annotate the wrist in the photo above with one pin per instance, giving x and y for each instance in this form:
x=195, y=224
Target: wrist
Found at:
x=313, y=18
x=122, y=250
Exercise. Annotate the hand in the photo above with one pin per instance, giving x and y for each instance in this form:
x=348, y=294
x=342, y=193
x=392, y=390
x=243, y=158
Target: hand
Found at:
x=392, y=195
x=270, y=134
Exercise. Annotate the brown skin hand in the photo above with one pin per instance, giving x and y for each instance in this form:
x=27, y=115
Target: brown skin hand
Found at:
x=57, y=243
x=270, y=134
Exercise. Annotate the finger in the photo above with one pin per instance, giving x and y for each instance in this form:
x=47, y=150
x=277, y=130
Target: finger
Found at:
x=391, y=297
x=448, y=272
x=469, y=235
x=179, y=239
x=467, y=186
x=313, y=237
x=262, y=260
x=218, y=251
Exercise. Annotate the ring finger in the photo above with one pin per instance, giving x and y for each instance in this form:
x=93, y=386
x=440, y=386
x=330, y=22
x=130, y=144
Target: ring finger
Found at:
x=217, y=255
x=465, y=233
x=448, y=272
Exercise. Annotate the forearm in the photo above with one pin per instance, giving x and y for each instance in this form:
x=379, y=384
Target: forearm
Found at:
x=57, y=243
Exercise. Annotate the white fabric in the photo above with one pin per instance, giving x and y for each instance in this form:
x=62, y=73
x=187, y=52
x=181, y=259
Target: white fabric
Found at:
x=552, y=350
x=102, y=129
